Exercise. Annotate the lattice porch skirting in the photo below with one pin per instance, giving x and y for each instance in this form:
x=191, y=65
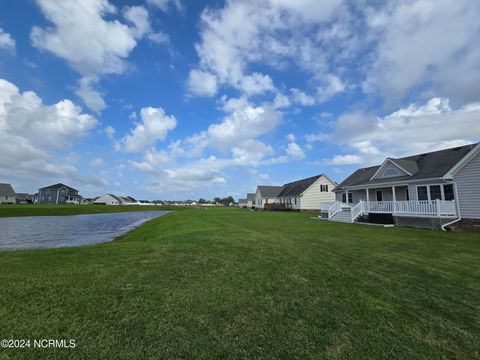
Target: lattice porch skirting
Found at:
x=419, y=222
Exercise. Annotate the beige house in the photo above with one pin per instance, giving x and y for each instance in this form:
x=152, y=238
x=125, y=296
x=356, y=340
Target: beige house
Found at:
x=313, y=193
x=7, y=194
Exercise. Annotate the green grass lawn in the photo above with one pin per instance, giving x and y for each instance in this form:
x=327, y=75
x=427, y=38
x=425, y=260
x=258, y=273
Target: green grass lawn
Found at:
x=53, y=210
x=230, y=283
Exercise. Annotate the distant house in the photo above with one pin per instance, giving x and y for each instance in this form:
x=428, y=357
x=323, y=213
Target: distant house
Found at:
x=242, y=203
x=304, y=194
x=23, y=198
x=108, y=199
x=7, y=194
x=266, y=195
x=128, y=200
x=58, y=194
x=309, y=193
x=250, y=200
x=431, y=190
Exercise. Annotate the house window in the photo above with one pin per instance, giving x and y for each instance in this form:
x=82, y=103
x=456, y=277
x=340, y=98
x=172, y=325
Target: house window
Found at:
x=344, y=198
x=448, y=192
x=407, y=195
x=435, y=192
x=350, y=198
x=295, y=201
x=379, y=194
x=391, y=172
x=323, y=188
x=422, y=193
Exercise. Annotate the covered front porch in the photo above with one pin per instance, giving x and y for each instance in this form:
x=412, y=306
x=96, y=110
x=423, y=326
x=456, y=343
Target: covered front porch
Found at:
x=395, y=200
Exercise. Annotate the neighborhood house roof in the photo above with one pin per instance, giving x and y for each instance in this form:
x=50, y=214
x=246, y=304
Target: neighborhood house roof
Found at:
x=6, y=190
x=269, y=191
x=297, y=188
x=58, y=186
x=250, y=196
x=423, y=166
x=22, y=196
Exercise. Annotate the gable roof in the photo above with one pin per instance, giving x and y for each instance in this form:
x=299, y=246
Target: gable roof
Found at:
x=269, y=191
x=57, y=187
x=296, y=188
x=6, y=190
x=22, y=196
x=430, y=165
x=250, y=196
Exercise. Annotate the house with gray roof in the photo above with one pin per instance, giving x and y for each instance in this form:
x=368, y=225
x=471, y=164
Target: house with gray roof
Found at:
x=432, y=190
x=23, y=198
x=108, y=199
x=266, y=194
x=7, y=194
x=250, y=200
x=242, y=203
x=306, y=194
x=111, y=199
x=58, y=194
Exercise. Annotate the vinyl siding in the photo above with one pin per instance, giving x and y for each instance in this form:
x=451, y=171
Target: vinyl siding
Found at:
x=7, y=199
x=468, y=187
x=385, y=167
x=312, y=197
x=107, y=200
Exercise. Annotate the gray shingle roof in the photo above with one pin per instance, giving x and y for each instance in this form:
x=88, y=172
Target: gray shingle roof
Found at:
x=423, y=166
x=297, y=188
x=250, y=196
x=269, y=191
x=6, y=190
x=58, y=186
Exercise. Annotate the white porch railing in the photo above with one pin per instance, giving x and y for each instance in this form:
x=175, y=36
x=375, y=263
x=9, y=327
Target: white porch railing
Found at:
x=428, y=208
x=335, y=208
x=437, y=208
x=357, y=210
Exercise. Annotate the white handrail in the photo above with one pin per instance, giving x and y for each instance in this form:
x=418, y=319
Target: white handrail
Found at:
x=357, y=210
x=335, y=208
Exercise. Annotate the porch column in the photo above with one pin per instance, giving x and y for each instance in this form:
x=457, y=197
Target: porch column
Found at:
x=394, y=200
x=368, y=199
x=346, y=196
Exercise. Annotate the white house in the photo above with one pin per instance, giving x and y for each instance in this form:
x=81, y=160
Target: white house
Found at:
x=7, y=194
x=266, y=195
x=250, y=200
x=312, y=193
x=431, y=190
x=108, y=199
x=304, y=194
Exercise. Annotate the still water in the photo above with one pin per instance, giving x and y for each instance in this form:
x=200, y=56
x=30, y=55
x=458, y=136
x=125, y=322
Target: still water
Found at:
x=56, y=231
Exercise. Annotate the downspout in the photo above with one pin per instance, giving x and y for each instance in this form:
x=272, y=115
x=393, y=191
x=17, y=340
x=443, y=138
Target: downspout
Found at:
x=443, y=227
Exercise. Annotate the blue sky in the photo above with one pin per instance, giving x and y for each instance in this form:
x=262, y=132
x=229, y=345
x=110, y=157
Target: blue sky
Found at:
x=169, y=99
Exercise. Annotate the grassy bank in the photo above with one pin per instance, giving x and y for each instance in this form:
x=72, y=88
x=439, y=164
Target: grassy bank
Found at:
x=229, y=283
x=53, y=210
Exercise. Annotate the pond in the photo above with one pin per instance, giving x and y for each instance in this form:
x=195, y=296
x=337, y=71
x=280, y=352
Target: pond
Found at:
x=73, y=230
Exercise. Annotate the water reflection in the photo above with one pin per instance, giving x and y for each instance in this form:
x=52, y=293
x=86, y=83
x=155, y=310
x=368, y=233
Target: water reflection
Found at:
x=73, y=230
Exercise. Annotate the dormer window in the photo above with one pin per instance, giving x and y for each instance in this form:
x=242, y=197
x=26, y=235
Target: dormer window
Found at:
x=391, y=172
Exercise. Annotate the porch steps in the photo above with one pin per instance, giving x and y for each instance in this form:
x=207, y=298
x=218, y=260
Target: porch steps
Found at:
x=343, y=216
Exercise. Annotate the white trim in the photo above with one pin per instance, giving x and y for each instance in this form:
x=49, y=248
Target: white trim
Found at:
x=392, y=162
x=442, y=191
x=387, y=184
x=464, y=161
